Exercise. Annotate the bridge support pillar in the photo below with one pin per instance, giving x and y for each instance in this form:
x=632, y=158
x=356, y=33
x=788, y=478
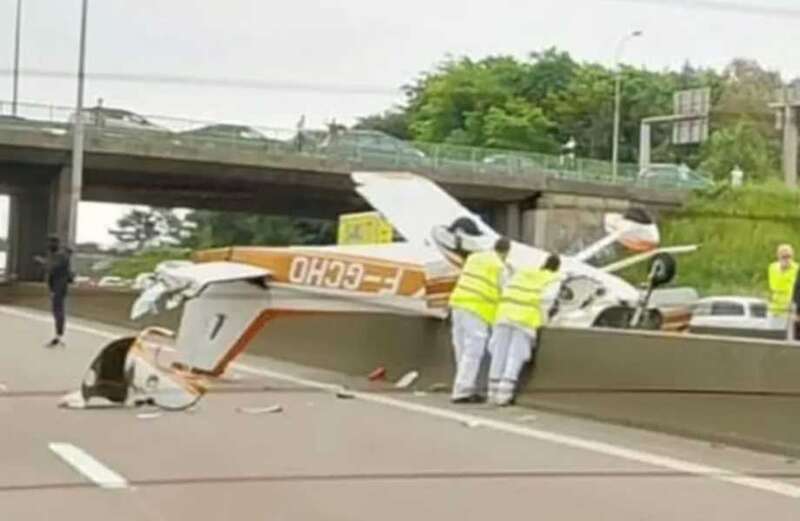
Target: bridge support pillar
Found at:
x=27, y=234
x=568, y=223
x=508, y=220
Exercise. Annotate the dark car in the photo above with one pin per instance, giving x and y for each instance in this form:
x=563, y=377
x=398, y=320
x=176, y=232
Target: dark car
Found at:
x=228, y=134
x=225, y=131
x=372, y=147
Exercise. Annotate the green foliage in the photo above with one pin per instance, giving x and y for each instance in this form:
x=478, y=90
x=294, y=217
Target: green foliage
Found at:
x=392, y=122
x=541, y=102
x=145, y=261
x=150, y=227
x=220, y=229
x=518, y=125
x=738, y=231
x=742, y=144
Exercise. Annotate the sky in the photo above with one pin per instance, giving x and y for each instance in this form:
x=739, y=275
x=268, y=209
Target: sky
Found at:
x=344, y=59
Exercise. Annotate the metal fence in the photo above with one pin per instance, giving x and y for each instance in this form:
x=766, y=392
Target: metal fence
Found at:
x=359, y=149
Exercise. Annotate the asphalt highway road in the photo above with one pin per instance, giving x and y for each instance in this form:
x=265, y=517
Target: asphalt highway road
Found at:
x=381, y=455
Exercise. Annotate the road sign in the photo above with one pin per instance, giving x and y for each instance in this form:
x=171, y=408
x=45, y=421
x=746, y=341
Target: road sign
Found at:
x=364, y=228
x=692, y=107
x=690, y=131
x=692, y=102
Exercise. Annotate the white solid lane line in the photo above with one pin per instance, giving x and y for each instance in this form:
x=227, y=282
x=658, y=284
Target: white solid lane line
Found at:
x=599, y=447
x=88, y=466
x=41, y=317
x=673, y=464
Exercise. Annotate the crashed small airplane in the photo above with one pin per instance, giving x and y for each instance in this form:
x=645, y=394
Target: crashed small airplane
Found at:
x=230, y=295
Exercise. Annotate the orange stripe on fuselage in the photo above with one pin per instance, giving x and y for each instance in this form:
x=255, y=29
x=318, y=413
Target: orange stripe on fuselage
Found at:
x=250, y=333
x=328, y=270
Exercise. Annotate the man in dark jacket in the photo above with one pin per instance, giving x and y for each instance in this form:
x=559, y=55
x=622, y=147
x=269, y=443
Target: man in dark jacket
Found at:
x=59, y=276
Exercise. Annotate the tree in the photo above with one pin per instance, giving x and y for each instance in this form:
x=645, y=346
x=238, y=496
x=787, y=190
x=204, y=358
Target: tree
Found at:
x=744, y=145
x=141, y=228
x=534, y=104
x=584, y=109
x=748, y=90
x=220, y=229
x=392, y=122
x=518, y=125
x=449, y=105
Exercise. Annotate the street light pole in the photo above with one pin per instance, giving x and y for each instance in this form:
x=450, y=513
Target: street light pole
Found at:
x=16, y=59
x=617, y=101
x=76, y=184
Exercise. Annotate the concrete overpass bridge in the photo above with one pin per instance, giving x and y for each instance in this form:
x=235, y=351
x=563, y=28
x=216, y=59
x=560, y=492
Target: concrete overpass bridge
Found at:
x=522, y=196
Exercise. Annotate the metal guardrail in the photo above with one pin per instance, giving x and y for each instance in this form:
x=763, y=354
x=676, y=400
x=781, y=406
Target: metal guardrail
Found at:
x=358, y=148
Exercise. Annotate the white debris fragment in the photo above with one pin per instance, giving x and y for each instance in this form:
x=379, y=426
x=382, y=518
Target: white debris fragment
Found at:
x=407, y=379
x=528, y=418
x=261, y=410
x=345, y=393
x=438, y=387
x=3, y=388
x=149, y=415
x=73, y=400
x=471, y=423
x=232, y=377
x=420, y=393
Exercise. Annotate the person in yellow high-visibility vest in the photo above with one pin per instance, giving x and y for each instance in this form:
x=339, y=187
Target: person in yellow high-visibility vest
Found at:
x=782, y=275
x=473, y=304
x=524, y=308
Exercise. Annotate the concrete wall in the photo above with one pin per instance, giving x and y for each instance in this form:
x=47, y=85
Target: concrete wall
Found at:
x=734, y=391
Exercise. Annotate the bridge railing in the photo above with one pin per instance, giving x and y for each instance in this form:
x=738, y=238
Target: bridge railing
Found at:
x=357, y=149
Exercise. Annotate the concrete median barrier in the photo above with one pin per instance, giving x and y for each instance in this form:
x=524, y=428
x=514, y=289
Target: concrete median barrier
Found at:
x=737, y=391
x=106, y=305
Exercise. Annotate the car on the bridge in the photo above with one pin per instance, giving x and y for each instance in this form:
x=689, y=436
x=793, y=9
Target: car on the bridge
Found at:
x=509, y=162
x=671, y=175
x=223, y=133
x=118, y=119
x=227, y=131
x=372, y=147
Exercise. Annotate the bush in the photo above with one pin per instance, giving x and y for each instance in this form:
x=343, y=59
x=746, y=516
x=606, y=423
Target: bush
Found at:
x=145, y=261
x=738, y=231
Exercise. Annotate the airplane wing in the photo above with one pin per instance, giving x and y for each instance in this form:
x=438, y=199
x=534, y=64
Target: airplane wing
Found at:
x=413, y=204
x=636, y=259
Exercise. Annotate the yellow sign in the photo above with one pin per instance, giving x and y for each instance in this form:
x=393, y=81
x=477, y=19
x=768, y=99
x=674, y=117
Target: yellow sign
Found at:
x=364, y=228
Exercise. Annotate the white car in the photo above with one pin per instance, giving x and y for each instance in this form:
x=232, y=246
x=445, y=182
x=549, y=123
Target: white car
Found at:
x=740, y=316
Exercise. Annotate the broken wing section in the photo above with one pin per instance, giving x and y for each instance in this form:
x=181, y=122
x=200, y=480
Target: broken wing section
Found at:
x=414, y=205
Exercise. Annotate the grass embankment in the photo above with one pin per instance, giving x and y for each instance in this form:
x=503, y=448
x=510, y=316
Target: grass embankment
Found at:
x=738, y=231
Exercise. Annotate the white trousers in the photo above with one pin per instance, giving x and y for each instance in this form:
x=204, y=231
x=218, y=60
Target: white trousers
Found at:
x=510, y=348
x=470, y=336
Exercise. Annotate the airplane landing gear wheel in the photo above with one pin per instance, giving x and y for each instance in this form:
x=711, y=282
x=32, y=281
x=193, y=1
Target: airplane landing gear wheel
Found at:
x=621, y=317
x=663, y=269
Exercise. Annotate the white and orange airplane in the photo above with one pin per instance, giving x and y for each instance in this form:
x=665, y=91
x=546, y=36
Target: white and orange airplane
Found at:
x=230, y=295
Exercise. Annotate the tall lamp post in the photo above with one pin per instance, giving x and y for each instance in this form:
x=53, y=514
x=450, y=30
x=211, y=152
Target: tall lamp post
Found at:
x=76, y=183
x=16, y=59
x=617, y=96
